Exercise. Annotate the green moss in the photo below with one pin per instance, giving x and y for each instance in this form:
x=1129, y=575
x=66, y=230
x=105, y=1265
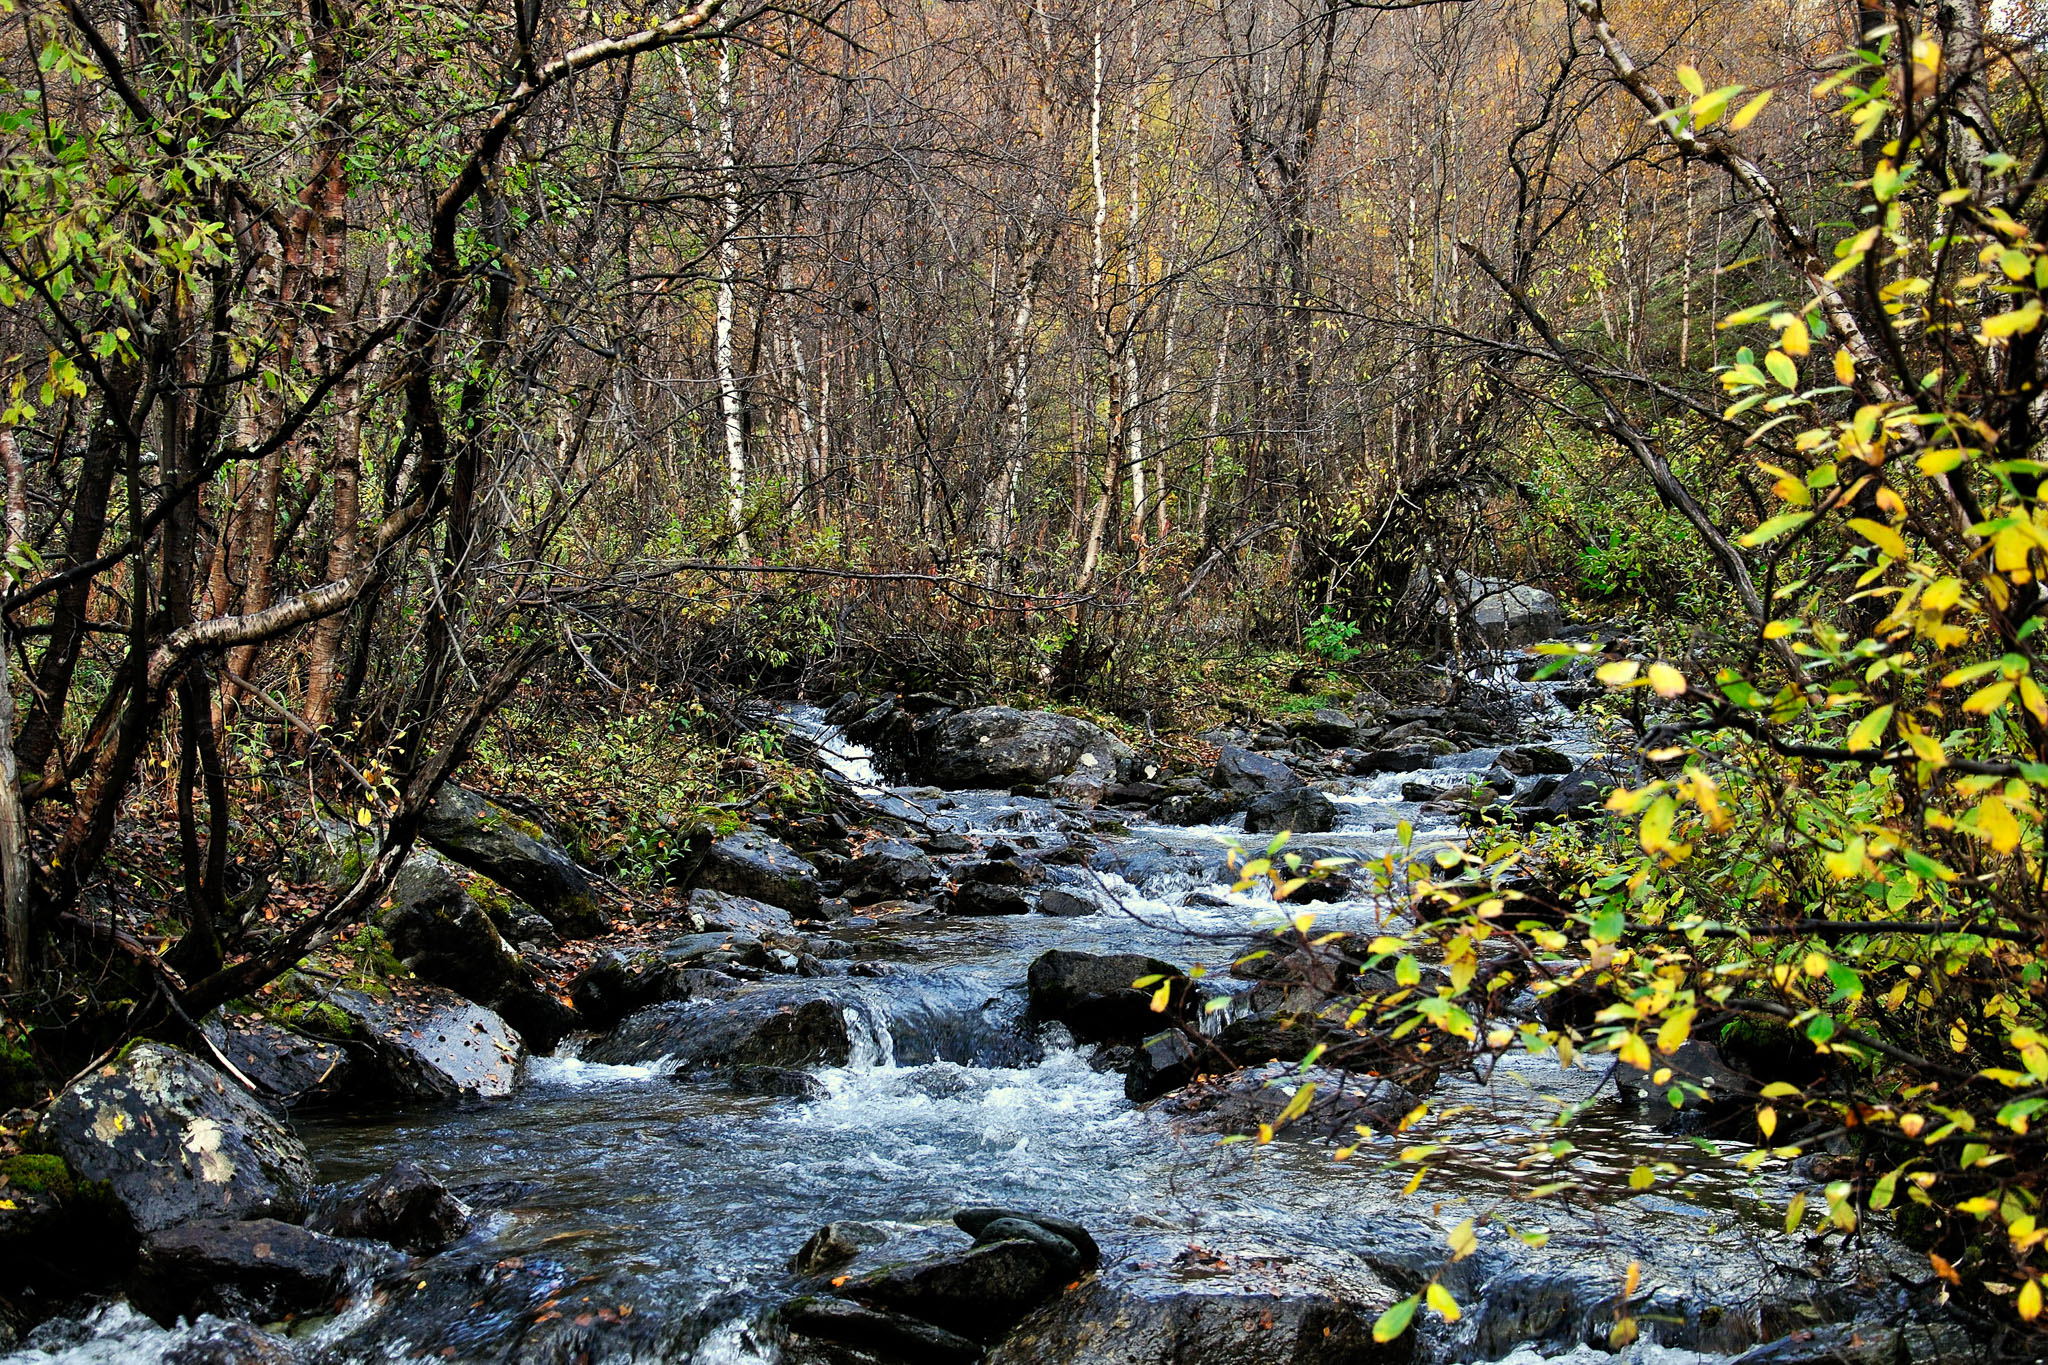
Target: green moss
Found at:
x=39, y=1175
x=316, y=1017
x=21, y=1080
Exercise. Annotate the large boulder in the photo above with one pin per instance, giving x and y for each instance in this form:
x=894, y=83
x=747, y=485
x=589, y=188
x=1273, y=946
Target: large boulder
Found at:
x=1093, y=996
x=415, y=1042
x=773, y=1027
x=176, y=1140
x=753, y=865
x=1249, y=774
x=443, y=935
x=1208, y=1306
x=998, y=746
x=723, y=912
x=515, y=853
x=1528, y=760
x=1303, y=810
x=258, y=1268
x=1504, y=613
x=285, y=1066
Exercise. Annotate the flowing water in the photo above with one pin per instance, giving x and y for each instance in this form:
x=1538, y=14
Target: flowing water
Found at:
x=633, y=1213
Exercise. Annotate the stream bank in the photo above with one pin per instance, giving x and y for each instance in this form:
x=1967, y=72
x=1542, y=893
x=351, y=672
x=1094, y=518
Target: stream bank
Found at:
x=783, y=1058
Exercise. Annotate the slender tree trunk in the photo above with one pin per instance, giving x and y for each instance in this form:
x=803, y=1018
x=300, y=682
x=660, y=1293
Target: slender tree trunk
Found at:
x=731, y=420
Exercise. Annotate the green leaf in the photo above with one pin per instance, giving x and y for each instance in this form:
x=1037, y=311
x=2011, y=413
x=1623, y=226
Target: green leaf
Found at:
x=1777, y=526
x=1395, y=1320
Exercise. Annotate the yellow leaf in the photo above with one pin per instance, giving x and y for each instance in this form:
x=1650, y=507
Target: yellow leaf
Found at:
x=1634, y=1051
x=1618, y=673
x=1880, y=535
x=1847, y=862
x=2031, y=698
x=1845, y=366
x=1996, y=824
x=1767, y=1121
x=1795, y=341
x=1747, y=114
x=1440, y=1299
x=1689, y=77
x=2029, y=1301
x=1464, y=1241
x=1671, y=1035
x=1988, y=699
x=1668, y=681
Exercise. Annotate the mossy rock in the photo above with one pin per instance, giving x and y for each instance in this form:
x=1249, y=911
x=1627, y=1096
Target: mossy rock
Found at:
x=39, y=1174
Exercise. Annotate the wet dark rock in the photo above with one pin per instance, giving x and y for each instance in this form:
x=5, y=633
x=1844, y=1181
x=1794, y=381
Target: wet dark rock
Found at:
x=1580, y=795
x=1093, y=996
x=979, y=1293
x=623, y=981
x=942, y=844
x=1301, y=809
x=833, y=1245
x=1404, y=759
x=1201, y=807
x=405, y=1207
x=1162, y=1062
x=1000, y=747
x=1065, y=1256
x=1201, y=1308
x=1248, y=774
x=1528, y=760
x=984, y=898
x=1328, y=728
x=1066, y=903
x=230, y=1343
x=790, y=1026
x=845, y=707
x=444, y=935
x=775, y=1080
x=285, y=1066
x=1242, y=1100
x=1699, y=1074
x=1000, y=871
x=726, y=912
x=889, y=1336
x=515, y=853
x=763, y=869
x=59, y=1236
x=258, y=1268
x=1849, y=1343
x=177, y=1140
x=889, y=869
x=417, y=1042
x=978, y=1220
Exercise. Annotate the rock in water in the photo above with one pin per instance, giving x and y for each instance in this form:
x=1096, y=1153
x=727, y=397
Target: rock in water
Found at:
x=978, y=1221
x=774, y=1027
x=1248, y=774
x=889, y=869
x=1163, y=1062
x=834, y=1245
x=259, y=1268
x=891, y=1335
x=421, y=1042
x=998, y=746
x=1527, y=760
x=515, y=853
x=404, y=1207
x=1858, y=1343
x=979, y=1293
x=754, y=865
x=177, y=1140
x=1244, y=1306
x=1303, y=810
x=1093, y=996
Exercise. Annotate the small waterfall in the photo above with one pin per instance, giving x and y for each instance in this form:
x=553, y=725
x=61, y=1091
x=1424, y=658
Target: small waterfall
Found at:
x=872, y=1045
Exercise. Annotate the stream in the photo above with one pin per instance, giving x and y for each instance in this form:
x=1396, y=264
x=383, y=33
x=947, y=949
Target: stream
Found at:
x=631, y=1213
